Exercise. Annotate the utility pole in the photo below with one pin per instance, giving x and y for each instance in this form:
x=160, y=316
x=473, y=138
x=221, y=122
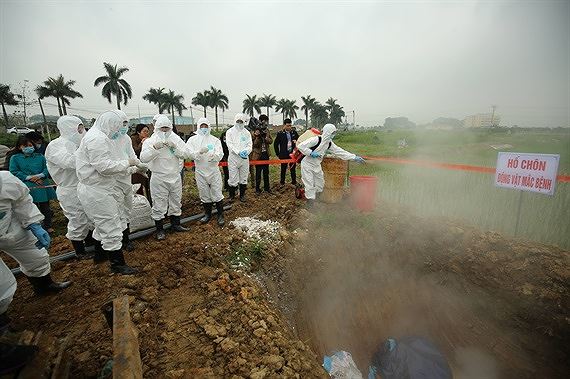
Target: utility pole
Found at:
x=24, y=97
x=353, y=119
x=493, y=115
x=138, y=105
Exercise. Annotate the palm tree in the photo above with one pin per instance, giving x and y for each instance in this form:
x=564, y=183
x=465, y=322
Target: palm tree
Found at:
x=319, y=115
x=336, y=113
x=155, y=96
x=267, y=101
x=173, y=102
x=290, y=110
x=202, y=99
x=6, y=98
x=308, y=103
x=251, y=105
x=114, y=85
x=280, y=106
x=60, y=89
x=217, y=100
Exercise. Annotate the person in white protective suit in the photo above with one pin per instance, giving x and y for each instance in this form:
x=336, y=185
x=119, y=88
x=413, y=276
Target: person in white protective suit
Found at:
x=60, y=157
x=101, y=167
x=23, y=238
x=239, y=142
x=164, y=152
x=314, y=150
x=207, y=152
x=124, y=149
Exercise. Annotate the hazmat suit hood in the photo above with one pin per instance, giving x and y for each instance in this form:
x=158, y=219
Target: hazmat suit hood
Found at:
x=67, y=126
x=110, y=123
x=155, y=117
x=163, y=122
x=242, y=117
x=203, y=131
x=329, y=132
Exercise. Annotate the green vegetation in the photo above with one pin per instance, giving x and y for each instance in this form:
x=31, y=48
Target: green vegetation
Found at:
x=246, y=255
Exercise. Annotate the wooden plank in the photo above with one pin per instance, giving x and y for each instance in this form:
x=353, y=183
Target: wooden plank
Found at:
x=126, y=356
x=39, y=367
x=62, y=365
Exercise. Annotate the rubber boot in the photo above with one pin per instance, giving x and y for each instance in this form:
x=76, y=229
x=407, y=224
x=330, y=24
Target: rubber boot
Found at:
x=232, y=193
x=175, y=224
x=4, y=323
x=100, y=255
x=242, y=188
x=207, y=213
x=89, y=240
x=45, y=285
x=79, y=247
x=220, y=209
x=14, y=357
x=118, y=264
x=126, y=242
x=160, y=234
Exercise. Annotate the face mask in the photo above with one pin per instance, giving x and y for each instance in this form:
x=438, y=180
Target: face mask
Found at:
x=165, y=135
x=28, y=150
x=333, y=135
x=204, y=131
x=115, y=135
x=123, y=130
x=239, y=126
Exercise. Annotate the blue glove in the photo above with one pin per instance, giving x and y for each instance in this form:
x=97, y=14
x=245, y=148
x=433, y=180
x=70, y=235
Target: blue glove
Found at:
x=359, y=159
x=243, y=154
x=314, y=154
x=41, y=235
x=372, y=372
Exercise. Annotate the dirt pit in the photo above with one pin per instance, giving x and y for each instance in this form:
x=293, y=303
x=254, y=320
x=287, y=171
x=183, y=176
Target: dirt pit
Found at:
x=332, y=280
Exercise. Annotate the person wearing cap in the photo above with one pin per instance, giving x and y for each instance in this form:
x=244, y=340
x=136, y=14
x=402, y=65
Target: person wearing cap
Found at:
x=164, y=152
x=240, y=145
x=105, y=161
x=207, y=152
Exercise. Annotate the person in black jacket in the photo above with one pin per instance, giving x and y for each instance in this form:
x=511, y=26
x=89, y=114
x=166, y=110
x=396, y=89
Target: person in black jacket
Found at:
x=225, y=159
x=284, y=144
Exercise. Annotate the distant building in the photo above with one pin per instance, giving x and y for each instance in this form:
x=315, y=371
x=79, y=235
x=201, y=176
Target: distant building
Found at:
x=482, y=120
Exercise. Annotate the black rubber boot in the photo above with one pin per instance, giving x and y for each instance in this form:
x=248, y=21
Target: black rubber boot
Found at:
x=242, y=188
x=89, y=240
x=207, y=213
x=44, y=285
x=79, y=247
x=175, y=224
x=126, y=242
x=232, y=193
x=4, y=323
x=100, y=255
x=220, y=209
x=160, y=234
x=14, y=357
x=118, y=264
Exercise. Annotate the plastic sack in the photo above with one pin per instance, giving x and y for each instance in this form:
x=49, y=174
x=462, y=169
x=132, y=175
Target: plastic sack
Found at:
x=340, y=365
x=140, y=214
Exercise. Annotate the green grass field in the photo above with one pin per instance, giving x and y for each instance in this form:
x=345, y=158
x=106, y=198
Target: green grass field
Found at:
x=465, y=196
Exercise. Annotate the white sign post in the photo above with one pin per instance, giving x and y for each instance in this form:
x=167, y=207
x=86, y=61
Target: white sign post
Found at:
x=527, y=172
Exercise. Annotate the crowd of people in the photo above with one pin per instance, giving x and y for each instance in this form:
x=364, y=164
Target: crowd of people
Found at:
x=93, y=172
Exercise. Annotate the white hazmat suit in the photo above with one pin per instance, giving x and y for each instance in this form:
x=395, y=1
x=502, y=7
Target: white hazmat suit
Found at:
x=239, y=141
x=311, y=170
x=207, y=152
x=164, y=152
x=102, y=165
x=60, y=157
x=17, y=213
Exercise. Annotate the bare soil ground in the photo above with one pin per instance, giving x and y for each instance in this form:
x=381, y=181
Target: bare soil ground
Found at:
x=338, y=280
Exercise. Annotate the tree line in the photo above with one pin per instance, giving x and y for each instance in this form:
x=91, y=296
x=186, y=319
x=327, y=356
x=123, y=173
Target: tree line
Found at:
x=115, y=85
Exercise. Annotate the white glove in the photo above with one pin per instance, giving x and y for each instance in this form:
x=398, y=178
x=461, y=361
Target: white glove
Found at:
x=131, y=170
x=204, y=150
x=169, y=144
x=134, y=162
x=158, y=145
x=142, y=167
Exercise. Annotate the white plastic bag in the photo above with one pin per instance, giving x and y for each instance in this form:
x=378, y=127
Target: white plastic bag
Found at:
x=140, y=215
x=340, y=365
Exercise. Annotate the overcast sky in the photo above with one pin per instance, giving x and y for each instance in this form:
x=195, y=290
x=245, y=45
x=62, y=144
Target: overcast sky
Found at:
x=421, y=59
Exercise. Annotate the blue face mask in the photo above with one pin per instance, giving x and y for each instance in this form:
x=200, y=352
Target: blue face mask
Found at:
x=123, y=130
x=204, y=131
x=28, y=150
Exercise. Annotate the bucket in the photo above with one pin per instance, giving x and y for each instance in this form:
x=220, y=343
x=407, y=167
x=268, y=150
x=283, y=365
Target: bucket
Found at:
x=335, y=176
x=363, y=192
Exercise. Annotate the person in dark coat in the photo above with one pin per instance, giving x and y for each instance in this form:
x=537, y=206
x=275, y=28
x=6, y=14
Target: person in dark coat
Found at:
x=225, y=169
x=141, y=134
x=284, y=144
